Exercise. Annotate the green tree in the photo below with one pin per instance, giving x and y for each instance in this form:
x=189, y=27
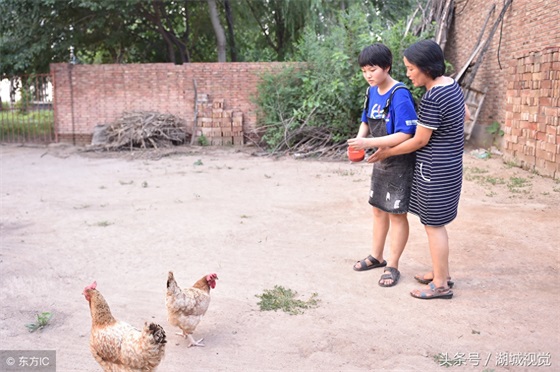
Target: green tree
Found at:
x=34, y=33
x=317, y=106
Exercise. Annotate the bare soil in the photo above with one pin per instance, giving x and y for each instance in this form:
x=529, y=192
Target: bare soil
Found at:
x=69, y=217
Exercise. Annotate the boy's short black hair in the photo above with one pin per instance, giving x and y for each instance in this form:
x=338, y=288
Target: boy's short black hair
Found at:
x=427, y=56
x=376, y=55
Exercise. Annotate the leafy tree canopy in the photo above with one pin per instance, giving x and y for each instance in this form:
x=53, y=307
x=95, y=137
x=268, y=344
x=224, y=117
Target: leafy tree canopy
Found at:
x=317, y=108
x=35, y=33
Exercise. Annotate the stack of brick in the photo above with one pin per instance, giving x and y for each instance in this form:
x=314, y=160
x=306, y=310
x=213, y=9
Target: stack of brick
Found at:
x=219, y=126
x=532, y=128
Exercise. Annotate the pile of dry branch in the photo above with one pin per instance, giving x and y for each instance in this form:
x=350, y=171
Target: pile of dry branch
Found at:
x=141, y=129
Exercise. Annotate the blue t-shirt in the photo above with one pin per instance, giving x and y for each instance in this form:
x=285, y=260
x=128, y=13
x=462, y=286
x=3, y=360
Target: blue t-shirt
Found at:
x=401, y=116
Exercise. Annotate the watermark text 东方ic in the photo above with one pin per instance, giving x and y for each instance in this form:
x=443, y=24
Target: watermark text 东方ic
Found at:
x=27, y=360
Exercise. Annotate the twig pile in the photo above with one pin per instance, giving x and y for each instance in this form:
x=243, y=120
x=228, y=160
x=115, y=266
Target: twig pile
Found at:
x=145, y=129
x=302, y=140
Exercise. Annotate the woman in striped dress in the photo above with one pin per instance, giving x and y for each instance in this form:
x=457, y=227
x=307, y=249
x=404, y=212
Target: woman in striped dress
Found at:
x=438, y=173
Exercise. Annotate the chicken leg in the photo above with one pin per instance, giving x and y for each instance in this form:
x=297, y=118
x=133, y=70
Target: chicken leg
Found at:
x=192, y=341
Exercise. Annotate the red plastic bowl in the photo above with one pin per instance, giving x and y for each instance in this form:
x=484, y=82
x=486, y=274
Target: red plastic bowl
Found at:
x=355, y=155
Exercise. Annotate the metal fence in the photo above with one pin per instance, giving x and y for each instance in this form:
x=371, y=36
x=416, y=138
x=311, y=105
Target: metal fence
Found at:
x=26, y=109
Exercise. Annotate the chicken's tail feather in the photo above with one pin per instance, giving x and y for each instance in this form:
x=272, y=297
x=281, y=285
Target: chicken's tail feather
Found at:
x=172, y=286
x=170, y=279
x=158, y=333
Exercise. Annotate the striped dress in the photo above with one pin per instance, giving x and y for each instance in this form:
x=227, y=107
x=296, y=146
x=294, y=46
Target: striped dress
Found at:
x=438, y=173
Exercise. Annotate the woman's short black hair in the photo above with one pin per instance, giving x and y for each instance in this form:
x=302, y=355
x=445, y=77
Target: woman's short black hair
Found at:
x=427, y=56
x=376, y=55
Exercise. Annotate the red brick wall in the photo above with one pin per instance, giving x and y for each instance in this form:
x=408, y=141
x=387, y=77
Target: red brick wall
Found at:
x=99, y=94
x=522, y=94
x=532, y=130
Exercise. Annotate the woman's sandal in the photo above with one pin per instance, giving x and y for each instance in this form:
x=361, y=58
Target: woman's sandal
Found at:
x=432, y=292
x=392, y=274
x=420, y=278
x=374, y=264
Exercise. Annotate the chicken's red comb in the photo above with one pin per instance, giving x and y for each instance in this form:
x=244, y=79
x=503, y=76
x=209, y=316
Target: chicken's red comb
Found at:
x=91, y=286
x=211, y=276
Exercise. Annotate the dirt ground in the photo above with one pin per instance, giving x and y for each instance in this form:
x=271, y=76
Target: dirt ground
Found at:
x=69, y=217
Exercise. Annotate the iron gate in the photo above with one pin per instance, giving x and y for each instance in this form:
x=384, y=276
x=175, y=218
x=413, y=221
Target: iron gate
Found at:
x=26, y=109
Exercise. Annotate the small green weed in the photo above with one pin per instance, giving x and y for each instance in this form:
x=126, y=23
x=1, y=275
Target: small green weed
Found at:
x=198, y=162
x=344, y=172
x=494, y=181
x=512, y=164
x=103, y=223
x=479, y=176
x=284, y=299
x=476, y=170
x=516, y=183
x=42, y=321
x=495, y=129
x=203, y=141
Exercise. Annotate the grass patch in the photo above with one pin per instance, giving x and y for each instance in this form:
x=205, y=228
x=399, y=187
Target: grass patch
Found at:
x=283, y=299
x=494, y=181
x=38, y=123
x=42, y=321
x=479, y=176
x=344, y=172
x=476, y=170
x=103, y=223
x=515, y=184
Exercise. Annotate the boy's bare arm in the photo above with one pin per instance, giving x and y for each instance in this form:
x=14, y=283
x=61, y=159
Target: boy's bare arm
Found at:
x=385, y=141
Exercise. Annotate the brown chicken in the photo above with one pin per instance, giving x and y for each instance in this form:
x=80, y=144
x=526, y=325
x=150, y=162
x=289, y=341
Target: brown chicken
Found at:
x=186, y=307
x=118, y=346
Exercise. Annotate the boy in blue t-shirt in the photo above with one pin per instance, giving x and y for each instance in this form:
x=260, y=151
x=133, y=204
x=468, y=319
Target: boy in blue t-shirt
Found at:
x=389, y=118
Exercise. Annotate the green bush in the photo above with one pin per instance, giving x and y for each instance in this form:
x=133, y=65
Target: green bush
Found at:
x=320, y=103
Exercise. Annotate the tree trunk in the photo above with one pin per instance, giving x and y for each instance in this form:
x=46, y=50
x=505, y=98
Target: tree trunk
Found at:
x=218, y=30
x=229, y=18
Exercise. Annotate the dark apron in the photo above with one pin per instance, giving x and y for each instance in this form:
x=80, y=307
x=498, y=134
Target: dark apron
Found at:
x=391, y=178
